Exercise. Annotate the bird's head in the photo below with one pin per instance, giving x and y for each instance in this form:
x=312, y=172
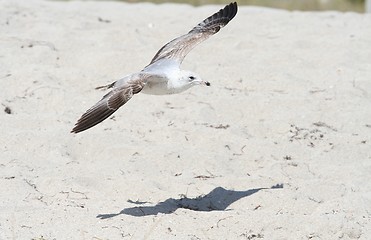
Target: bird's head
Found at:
x=191, y=79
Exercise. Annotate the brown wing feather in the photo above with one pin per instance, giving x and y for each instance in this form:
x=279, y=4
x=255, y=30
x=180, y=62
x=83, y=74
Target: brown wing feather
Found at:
x=178, y=48
x=108, y=105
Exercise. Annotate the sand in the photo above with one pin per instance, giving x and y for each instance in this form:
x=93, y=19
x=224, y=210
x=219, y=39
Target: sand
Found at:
x=278, y=147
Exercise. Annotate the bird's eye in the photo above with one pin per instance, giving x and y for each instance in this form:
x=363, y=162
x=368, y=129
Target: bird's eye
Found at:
x=192, y=78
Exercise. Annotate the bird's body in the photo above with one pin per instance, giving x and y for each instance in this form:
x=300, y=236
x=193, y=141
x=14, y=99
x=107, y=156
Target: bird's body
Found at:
x=162, y=76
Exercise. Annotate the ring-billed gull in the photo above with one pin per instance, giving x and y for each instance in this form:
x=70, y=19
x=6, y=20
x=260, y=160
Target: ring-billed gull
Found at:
x=163, y=75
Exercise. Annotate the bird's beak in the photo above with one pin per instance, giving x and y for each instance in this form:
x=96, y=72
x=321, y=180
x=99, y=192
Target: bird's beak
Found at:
x=207, y=83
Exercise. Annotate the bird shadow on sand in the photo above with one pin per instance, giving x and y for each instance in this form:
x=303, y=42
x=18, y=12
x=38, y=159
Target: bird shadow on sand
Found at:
x=217, y=200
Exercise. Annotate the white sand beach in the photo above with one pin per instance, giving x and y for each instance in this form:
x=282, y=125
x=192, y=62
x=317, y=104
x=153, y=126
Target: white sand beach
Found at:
x=278, y=147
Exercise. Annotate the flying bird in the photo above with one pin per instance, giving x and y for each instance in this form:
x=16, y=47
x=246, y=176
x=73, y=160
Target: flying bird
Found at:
x=162, y=76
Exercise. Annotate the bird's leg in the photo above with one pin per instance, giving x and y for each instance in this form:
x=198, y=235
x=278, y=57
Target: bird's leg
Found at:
x=105, y=87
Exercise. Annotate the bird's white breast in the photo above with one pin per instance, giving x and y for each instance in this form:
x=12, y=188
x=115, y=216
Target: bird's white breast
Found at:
x=165, y=77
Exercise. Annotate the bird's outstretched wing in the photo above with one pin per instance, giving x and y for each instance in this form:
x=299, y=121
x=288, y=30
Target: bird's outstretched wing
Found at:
x=178, y=48
x=109, y=104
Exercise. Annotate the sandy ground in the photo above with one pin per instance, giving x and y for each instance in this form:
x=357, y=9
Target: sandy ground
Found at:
x=278, y=147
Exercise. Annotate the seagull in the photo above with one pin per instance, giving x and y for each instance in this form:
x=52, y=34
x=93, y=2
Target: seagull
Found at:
x=162, y=76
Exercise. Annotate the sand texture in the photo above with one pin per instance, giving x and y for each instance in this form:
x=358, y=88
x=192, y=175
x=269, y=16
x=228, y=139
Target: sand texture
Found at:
x=279, y=147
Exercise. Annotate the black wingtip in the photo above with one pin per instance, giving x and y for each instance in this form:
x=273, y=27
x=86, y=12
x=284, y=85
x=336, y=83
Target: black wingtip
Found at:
x=76, y=130
x=229, y=11
x=92, y=117
x=218, y=19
